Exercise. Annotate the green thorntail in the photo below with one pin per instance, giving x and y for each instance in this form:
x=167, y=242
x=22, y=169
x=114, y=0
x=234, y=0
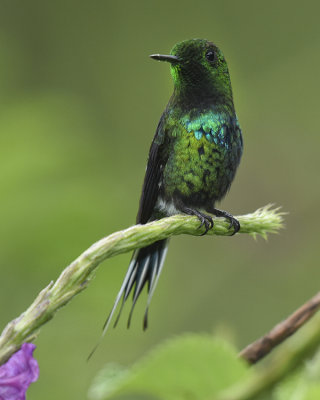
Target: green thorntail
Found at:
x=192, y=160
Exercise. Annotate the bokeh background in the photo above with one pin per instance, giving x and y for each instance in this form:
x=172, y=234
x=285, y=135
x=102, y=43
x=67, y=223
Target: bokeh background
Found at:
x=80, y=101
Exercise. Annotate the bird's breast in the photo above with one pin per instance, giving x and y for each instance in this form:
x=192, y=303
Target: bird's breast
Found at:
x=204, y=154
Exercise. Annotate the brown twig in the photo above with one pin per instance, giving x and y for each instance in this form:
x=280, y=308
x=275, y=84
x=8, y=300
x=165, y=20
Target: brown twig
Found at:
x=263, y=346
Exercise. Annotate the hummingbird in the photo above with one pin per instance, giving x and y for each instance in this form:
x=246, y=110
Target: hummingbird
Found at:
x=192, y=160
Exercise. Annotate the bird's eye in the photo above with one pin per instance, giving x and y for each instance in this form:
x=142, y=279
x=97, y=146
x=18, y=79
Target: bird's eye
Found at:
x=211, y=56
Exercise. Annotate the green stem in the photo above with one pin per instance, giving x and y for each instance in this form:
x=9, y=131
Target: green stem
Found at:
x=290, y=355
x=78, y=274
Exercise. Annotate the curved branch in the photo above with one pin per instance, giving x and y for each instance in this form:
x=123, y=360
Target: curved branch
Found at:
x=78, y=274
x=292, y=354
x=263, y=346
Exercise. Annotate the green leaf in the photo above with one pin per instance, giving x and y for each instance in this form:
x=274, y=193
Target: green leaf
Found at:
x=107, y=381
x=188, y=367
x=303, y=384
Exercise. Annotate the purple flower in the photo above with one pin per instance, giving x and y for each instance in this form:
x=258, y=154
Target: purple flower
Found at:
x=17, y=373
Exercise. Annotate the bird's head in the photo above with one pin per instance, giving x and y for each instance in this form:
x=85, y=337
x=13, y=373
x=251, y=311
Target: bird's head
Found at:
x=199, y=70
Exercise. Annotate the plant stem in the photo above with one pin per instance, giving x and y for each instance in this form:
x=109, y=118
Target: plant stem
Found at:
x=263, y=346
x=290, y=355
x=78, y=274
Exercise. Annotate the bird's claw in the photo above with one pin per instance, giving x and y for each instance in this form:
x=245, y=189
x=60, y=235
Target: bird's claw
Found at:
x=207, y=222
x=234, y=223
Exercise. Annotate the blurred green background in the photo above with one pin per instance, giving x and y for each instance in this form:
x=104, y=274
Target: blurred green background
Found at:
x=80, y=101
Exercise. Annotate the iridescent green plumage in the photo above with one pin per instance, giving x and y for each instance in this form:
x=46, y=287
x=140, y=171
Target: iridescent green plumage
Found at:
x=201, y=152
x=193, y=157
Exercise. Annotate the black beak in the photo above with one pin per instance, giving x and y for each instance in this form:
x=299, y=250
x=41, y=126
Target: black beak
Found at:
x=163, y=57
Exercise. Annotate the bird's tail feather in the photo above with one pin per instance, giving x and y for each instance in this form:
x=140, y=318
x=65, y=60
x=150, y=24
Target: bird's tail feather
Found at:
x=145, y=267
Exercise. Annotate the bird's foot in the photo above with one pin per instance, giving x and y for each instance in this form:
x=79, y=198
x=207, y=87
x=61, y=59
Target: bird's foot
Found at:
x=205, y=219
x=234, y=223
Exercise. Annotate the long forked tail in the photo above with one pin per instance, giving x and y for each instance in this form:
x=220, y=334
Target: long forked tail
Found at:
x=145, y=267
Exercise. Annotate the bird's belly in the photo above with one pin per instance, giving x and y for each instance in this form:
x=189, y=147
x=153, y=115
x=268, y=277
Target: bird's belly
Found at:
x=199, y=172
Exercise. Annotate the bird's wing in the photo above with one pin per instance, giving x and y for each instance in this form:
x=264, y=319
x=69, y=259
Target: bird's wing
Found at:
x=156, y=162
